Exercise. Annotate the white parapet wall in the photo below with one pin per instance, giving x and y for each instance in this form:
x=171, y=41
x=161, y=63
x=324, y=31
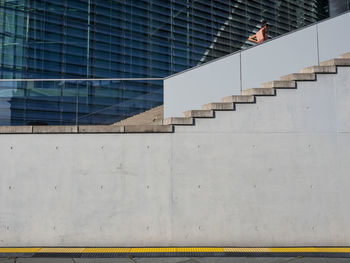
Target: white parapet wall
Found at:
x=273, y=173
x=230, y=75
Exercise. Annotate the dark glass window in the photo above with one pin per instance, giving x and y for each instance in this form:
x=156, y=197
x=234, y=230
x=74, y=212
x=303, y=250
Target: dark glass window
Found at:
x=125, y=39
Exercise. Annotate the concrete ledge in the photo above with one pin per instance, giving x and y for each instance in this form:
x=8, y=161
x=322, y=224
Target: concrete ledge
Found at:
x=336, y=62
x=299, y=77
x=281, y=84
x=55, y=129
x=219, y=106
x=259, y=92
x=86, y=129
x=101, y=129
x=149, y=129
x=239, y=99
x=178, y=121
x=199, y=113
x=16, y=129
x=320, y=70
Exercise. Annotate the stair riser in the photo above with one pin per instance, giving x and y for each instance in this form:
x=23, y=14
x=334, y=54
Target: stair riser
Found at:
x=320, y=70
x=239, y=99
x=199, y=114
x=279, y=84
x=219, y=106
x=259, y=92
x=178, y=121
x=336, y=62
x=299, y=77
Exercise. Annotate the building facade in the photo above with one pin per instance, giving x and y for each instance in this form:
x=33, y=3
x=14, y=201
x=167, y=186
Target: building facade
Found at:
x=129, y=40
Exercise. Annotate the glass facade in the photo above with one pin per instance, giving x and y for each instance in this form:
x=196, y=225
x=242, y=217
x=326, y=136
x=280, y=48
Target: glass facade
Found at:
x=67, y=39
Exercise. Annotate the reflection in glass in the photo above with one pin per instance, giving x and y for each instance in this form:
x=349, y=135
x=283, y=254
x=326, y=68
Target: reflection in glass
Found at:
x=122, y=39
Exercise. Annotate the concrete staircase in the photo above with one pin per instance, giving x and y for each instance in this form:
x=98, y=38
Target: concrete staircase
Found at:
x=153, y=116
x=267, y=89
x=150, y=121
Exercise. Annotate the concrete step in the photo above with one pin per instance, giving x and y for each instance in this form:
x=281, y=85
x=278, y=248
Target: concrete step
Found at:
x=320, y=69
x=148, y=128
x=219, y=106
x=199, y=114
x=239, y=99
x=101, y=129
x=336, y=62
x=346, y=55
x=15, y=129
x=299, y=77
x=259, y=92
x=55, y=129
x=178, y=121
x=279, y=84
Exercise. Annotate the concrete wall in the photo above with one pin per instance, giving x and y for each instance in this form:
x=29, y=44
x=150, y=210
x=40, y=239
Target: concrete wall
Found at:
x=272, y=173
x=193, y=88
x=248, y=69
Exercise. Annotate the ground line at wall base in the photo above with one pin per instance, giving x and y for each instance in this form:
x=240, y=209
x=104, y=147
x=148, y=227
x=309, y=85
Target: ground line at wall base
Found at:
x=95, y=252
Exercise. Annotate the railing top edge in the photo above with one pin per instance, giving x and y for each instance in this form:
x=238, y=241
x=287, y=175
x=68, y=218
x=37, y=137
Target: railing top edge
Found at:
x=97, y=79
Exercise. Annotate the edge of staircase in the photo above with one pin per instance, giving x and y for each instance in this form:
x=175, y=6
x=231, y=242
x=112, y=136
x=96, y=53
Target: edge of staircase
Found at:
x=208, y=110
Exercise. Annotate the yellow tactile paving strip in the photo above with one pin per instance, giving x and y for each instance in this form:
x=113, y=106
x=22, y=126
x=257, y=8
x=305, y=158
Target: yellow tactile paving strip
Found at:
x=107, y=250
x=19, y=250
x=135, y=250
x=62, y=250
x=246, y=250
x=311, y=249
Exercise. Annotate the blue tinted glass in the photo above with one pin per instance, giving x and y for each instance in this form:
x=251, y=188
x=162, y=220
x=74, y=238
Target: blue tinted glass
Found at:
x=122, y=39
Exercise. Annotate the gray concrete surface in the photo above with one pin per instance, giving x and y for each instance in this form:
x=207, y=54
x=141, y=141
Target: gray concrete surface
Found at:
x=191, y=89
x=249, y=68
x=274, y=173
